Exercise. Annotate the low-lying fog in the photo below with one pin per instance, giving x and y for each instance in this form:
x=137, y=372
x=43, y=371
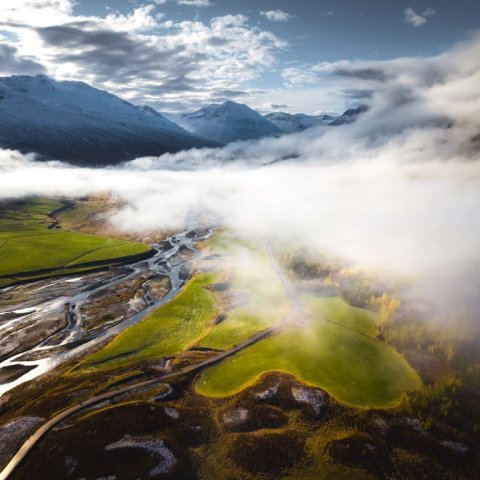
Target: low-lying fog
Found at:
x=399, y=190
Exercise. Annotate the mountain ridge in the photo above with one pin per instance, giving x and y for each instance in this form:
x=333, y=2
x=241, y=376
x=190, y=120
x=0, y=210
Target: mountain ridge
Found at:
x=227, y=122
x=297, y=122
x=75, y=122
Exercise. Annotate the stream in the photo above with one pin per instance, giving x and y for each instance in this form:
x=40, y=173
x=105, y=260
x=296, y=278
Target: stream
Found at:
x=73, y=339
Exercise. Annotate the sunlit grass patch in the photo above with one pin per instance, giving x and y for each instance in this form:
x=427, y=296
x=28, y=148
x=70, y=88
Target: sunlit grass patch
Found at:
x=27, y=245
x=256, y=294
x=335, y=351
x=170, y=329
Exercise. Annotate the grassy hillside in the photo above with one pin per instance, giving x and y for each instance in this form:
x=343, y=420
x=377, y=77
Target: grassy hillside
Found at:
x=28, y=245
x=168, y=330
x=335, y=350
x=257, y=299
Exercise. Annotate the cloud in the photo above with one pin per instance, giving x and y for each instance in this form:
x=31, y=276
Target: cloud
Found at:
x=102, y=54
x=190, y=3
x=357, y=94
x=32, y=12
x=141, y=56
x=399, y=190
x=12, y=63
x=294, y=76
x=417, y=19
x=195, y=3
x=276, y=15
x=276, y=106
x=396, y=192
x=375, y=74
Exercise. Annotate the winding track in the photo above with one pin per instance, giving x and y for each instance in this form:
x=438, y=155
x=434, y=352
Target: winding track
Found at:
x=42, y=430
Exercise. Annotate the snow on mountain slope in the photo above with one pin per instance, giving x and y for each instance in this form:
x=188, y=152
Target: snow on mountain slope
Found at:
x=291, y=123
x=227, y=123
x=349, y=116
x=74, y=122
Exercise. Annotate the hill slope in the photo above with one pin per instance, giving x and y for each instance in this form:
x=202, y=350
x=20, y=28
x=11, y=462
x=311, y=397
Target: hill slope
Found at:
x=349, y=116
x=292, y=123
x=74, y=122
x=227, y=123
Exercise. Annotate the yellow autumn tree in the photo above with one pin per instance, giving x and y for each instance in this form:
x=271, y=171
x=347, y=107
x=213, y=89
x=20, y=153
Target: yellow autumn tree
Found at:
x=387, y=306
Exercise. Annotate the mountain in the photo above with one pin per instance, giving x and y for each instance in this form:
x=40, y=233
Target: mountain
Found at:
x=227, y=123
x=74, y=122
x=349, y=116
x=291, y=123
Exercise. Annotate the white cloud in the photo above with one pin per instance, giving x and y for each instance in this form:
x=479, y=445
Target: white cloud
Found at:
x=139, y=20
x=31, y=12
x=397, y=190
x=195, y=3
x=140, y=55
x=294, y=76
x=308, y=74
x=276, y=15
x=190, y=3
x=417, y=19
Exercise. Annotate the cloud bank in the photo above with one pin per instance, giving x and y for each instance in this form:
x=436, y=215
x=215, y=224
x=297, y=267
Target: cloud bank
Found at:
x=140, y=56
x=397, y=191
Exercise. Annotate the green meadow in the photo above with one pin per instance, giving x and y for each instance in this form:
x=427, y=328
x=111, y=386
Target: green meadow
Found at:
x=257, y=295
x=172, y=328
x=335, y=347
x=28, y=246
x=336, y=350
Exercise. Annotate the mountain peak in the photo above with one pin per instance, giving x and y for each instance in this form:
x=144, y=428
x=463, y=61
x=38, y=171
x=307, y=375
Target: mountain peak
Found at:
x=88, y=125
x=350, y=115
x=227, y=122
x=297, y=122
x=225, y=108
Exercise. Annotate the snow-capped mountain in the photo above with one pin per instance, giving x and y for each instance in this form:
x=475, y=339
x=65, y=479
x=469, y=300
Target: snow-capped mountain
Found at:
x=227, y=123
x=291, y=123
x=349, y=116
x=75, y=122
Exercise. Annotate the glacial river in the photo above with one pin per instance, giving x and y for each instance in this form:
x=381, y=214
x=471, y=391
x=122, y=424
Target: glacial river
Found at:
x=73, y=339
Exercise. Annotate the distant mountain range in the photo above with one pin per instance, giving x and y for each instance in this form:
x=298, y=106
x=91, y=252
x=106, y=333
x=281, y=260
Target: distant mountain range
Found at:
x=349, y=116
x=292, y=123
x=74, y=122
x=227, y=123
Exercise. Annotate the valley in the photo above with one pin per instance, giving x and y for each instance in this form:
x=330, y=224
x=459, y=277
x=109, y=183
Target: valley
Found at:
x=202, y=358
x=239, y=240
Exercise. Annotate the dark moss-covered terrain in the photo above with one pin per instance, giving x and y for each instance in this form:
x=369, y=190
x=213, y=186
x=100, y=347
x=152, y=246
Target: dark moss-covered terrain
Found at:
x=371, y=388
x=278, y=428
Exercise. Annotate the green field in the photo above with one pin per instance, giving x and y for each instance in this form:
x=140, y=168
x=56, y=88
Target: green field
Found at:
x=27, y=245
x=259, y=292
x=170, y=329
x=336, y=350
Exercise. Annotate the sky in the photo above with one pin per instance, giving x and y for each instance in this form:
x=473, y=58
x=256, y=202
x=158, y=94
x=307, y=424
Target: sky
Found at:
x=398, y=190
x=177, y=55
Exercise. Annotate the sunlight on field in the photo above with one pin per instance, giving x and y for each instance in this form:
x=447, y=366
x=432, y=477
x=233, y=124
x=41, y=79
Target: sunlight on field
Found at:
x=335, y=351
x=27, y=245
x=168, y=330
x=256, y=295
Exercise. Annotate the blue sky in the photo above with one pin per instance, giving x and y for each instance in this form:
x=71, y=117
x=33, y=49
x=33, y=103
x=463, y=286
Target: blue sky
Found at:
x=262, y=52
x=328, y=30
